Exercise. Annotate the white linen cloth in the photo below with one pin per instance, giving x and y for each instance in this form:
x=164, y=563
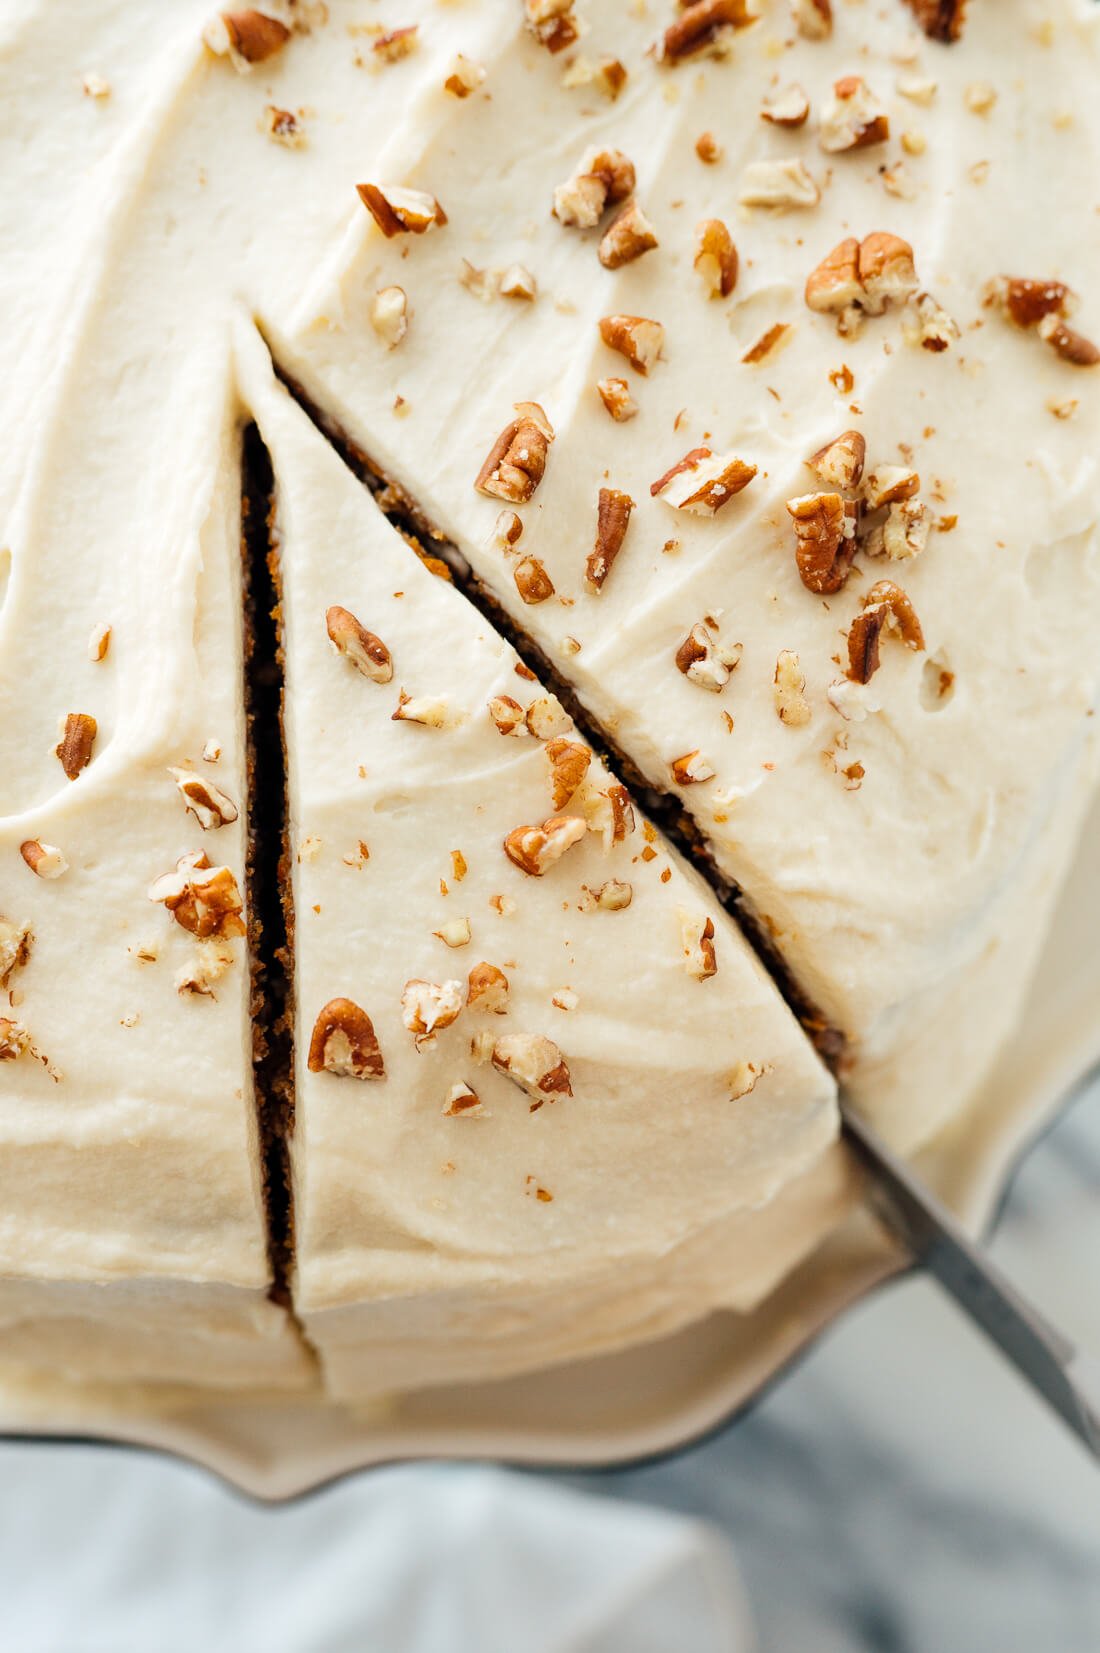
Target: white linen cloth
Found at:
x=103, y=1552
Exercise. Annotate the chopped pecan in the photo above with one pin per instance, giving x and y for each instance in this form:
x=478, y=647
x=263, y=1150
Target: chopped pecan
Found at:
x=569, y=762
x=15, y=948
x=507, y=532
x=708, y=149
x=487, y=989
x=616, y=398
x=344, y=1043
x=389, y=315
x=791, y=704
x=940, y=19
x=885, y=605
x=612, y=520
x=778, y=183
x=611, y=897
x=862, y=277
x=517, y=460
x=202, y=899
x=393, y=44
x=786, y=106
x=903, y=533
x=366, y=652
x=517, y=282
x=211, y=807
x=455, y=933
x=603, y=179
x=697, y=933
x=399, y=211
x=462, y=1101
x=691, y=768
x=535, y=1064
x=427, y=1007
x=840, y=462
x=813, y=18
x=508, y=715
x=464, y=77
x=716, y=260
x=247, y=36
x=768, y=342
x=1026, y=302
x=887, y=484
x=927, y=324
x=206, y=966
x=824, y=526
x=627, y=237
x=99, y=643
x=1070, y=346
x=547, y=717
x=284, y=127
x=705, y=660
x=552, y=23
x=701, y=26
x=74, y=749
x=45, y=860
x=15, y=1041
x=853, y=117
x=702, y=481
x=635, y=337
x=532, y=581
x=886, y=271
x=535, y=848
x=432, y=710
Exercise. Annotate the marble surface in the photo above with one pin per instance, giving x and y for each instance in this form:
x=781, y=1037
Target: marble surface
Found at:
x=901, y=1491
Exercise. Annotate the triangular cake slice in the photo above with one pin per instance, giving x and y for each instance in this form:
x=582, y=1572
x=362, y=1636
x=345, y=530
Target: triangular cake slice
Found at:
x=542, y=1082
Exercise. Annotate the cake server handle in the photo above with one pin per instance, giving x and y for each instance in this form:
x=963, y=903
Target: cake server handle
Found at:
x=1067, y=1379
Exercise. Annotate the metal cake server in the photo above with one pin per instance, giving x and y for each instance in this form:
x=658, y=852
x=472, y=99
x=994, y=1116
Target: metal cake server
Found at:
x=1066, y=1378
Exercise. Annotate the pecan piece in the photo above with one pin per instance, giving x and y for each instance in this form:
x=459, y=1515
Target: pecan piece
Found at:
x=569, y=762
x=508, y=715
x=516, y=462
x=940, y=19
x=344, y=1043
x=247, y=36
x=824, y=526
x=44, y=860
x=691, y=768
x=15, y=948
x=885, y=605
x=862, y=277
x=702, y=481
x=635, y=337
x=532, y=581
x=780, y=184
x=627, y=237
x=366, y=652
x=1070, y=346
x=697, y=933
x=211, y=807
x=612, y=520
x=551, y=22
x=464, y=77
x=389, y=315
x=616, y=398
x=716, y=260
x=535, y=848
x=701, y=26
x=791, y=704
x=399, y=211
x=705, y=660
x=202, y=899
x=462, y=1101
x=487, y=989
x=535, y=1064
x=431, y=710
x=74, y=749
x=840, y=462
x=427, y=1007
x=787, y=106
x=603, y=178
x=813, y=18
x=853, y=118
x=15, y=1041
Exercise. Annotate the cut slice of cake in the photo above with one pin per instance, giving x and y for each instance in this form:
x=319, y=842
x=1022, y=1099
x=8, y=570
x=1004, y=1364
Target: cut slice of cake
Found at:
x=542, y=1083
x=857, y=449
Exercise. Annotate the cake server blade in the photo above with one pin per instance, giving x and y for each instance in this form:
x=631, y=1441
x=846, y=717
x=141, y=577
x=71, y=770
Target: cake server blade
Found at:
x=1066, y=1379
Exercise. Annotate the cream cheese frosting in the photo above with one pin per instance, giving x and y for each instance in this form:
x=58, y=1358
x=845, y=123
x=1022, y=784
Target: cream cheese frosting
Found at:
x=900, y=842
